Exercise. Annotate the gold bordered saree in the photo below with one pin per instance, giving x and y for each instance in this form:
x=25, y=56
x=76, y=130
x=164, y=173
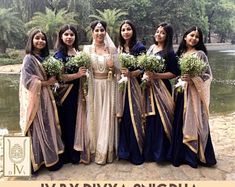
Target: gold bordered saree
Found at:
x=196, y=111
x=38, y=114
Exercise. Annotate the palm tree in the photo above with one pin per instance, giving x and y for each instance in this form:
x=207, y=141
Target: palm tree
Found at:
x=111, y=17
x=11, y=28
x=51, y=21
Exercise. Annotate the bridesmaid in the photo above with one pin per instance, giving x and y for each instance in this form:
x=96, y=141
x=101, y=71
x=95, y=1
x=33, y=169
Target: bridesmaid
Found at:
x=131, y=131
x=38, y=112
x=159, y=103
x=67, y=101
x=192, y=143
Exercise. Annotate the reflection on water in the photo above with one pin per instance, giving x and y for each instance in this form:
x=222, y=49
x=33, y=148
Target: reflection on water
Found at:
x=223, y=85
x=222, y=90
x=9, y=102
x=229, y=52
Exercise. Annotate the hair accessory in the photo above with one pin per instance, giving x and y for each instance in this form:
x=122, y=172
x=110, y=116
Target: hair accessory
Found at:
x=69, y=27
x=99, y=24
x=196, y=29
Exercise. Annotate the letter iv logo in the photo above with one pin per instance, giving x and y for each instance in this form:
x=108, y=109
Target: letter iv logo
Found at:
x=16, y=160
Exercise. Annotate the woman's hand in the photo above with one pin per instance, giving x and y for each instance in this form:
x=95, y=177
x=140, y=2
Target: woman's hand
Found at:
x=110, y=63
x=51, y=81
x=151, y=75
x=187, y=78
x=125, y=72
x=81, y=72
x=135, y=73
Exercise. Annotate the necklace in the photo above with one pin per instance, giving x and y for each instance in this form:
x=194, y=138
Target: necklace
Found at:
x=72, y=52
x=101, y=65
x=99, y=48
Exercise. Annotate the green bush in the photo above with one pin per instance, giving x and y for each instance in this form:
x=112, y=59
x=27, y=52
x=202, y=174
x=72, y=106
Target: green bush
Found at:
x=10, y=61
x=4, y=55
x=12, y=53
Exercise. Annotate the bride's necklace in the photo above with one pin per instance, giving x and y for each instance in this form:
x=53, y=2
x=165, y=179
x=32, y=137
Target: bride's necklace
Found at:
x=101, y=63
x=100, y=58
x=100, y=47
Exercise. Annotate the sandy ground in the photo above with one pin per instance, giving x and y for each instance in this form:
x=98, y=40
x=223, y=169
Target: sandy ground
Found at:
x=223, y=136
x=10, y=69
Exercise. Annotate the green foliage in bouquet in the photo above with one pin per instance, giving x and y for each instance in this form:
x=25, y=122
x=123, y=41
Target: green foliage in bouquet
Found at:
x=151, y=63
x=127, y=61
x=80, y=60
x=53, y=67
x=192, y=65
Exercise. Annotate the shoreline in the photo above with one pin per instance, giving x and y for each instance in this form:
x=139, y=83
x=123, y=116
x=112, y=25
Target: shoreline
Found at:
x=15, y=68
x=10, y=69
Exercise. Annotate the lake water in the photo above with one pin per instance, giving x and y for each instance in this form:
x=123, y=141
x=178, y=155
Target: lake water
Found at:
x=222, y=90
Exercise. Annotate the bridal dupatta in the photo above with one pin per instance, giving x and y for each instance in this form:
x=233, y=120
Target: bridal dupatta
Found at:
x=196, y=111
x=38, y=114
x=88, y=139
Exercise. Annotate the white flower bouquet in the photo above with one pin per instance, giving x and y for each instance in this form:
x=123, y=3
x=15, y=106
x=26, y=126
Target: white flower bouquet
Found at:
x=53, y=67
x=129, y=62
x=191, y=65
x=74, y=63
x=153, y=63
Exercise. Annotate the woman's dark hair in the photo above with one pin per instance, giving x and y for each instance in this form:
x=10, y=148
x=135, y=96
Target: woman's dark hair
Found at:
x=168, y=45
x=133, y=39
x=200, y=45
x=60, y=45
x=94, y=23
x=29, y=46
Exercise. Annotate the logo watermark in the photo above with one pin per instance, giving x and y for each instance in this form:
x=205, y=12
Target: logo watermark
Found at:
x=16, y=156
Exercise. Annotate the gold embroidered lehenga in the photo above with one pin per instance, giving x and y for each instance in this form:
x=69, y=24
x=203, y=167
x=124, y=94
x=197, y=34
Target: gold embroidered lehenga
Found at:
x=98, y=133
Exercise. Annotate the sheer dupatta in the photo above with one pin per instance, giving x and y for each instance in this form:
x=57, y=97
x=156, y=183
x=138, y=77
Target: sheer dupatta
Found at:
x=38, y=114
x=196, y=111
x=85, y=138
x=158, y=93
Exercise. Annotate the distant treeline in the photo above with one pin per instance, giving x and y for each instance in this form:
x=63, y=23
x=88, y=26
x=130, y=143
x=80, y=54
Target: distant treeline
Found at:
x=17, y=17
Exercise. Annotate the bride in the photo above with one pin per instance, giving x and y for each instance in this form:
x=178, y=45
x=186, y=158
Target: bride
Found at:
x=98, y=136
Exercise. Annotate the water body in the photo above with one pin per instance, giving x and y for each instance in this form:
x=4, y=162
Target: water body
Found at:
x=223, y=84
x=9, y=102
x=222, y=90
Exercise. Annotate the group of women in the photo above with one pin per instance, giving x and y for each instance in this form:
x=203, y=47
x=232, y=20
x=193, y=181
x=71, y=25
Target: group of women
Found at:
x=154, y=125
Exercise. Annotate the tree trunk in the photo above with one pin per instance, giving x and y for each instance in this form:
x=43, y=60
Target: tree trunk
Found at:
x=209, y=36
x=3, y=46
x=176, y=38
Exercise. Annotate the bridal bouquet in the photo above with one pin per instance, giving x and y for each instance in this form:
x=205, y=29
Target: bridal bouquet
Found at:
x=191, y=65
x=153, y=63
x=82, y=59
x=129, y=62
x=53, y=67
